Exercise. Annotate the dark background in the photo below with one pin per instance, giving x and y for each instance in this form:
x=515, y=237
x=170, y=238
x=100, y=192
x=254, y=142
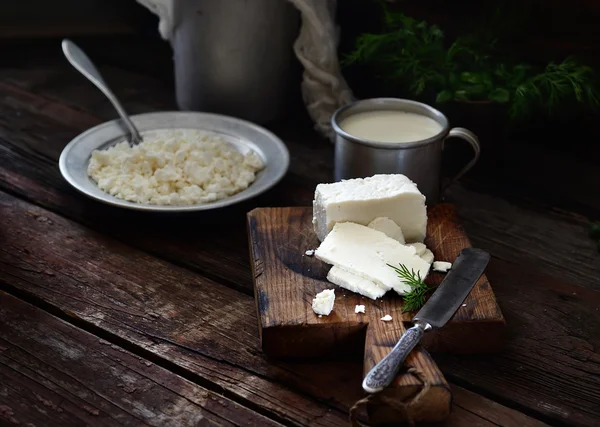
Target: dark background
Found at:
x=536, y=31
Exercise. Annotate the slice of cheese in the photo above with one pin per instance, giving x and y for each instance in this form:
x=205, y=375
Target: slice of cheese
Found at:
x=368, y=253
x=389, y=227
x=354, y=283
x=362, y=200
x=427, y=256
x=323, y=302
x=419, y=247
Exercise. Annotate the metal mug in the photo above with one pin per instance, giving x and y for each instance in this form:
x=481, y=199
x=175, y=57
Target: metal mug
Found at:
x=234, y=57
x=419, y=160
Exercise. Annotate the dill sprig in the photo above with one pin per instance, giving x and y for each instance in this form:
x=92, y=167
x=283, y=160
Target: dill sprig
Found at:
x=565, y=82
x=414, y=299
x=415, y=57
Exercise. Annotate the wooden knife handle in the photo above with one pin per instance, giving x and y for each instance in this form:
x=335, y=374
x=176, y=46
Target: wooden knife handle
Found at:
x=385, y=371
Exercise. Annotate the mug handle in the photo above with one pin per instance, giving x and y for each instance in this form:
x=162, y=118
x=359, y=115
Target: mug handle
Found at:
x=472, y=139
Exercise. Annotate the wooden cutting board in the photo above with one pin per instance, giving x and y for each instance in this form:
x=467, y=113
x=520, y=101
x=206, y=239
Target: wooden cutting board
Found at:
x=286, y=280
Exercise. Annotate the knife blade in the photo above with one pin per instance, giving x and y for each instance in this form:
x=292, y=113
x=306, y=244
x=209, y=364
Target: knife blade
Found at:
x=441, y=306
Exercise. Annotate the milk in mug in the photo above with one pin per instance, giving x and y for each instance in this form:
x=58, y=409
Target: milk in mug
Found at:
x=390, y=126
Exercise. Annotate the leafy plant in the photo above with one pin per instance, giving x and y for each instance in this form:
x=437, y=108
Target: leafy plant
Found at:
x=414, y=55
x=409, y=52
x=595, y=233
x=568, y=81
x=414, y=299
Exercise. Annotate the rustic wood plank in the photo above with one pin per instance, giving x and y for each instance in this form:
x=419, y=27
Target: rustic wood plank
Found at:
x=434, y=404
x=551, y=361
x=207, y=329
x=547, y=240
x=478, y=326
x=286, y=281
x=53, y=374
x=470, y=409
x=60, y=83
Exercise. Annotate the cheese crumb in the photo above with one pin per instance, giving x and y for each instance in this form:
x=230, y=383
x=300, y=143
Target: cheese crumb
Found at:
x=323, y=302
x=309, y=252
x=174, y=167
x=359, y=309
x=386, y=318
x=442, y=266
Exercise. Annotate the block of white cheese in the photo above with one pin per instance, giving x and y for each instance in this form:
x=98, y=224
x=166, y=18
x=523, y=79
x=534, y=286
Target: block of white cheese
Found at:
x=354, y=283
x=389, y=227
x=361, y=200
x=368, y=253
x=442, y=266
x=323, y=302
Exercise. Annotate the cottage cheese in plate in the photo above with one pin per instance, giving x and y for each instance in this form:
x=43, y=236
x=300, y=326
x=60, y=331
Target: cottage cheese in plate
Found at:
x=174, y=167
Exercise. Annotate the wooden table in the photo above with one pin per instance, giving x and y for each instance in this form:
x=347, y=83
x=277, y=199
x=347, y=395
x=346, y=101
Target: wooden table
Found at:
x=110, y=317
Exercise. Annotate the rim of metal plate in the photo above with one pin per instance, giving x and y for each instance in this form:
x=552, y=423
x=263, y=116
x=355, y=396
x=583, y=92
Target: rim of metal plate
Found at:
x=243, y=135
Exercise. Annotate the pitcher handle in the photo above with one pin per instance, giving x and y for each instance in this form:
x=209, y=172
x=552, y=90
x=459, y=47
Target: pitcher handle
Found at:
x=472, y=139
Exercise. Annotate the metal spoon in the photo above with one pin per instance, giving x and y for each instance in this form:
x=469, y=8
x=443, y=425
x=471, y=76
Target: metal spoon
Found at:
x=84, y=65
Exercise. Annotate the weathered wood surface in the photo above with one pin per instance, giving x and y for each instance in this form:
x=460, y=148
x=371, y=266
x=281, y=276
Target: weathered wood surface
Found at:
x=54, y=374
x=137, y=300
x=542, y=239
x=55, y=103
x=484, y=411
x=204, y=327
x=553, y=329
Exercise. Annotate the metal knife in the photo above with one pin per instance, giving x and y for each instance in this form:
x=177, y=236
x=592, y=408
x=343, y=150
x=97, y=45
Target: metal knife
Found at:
x=442, y=305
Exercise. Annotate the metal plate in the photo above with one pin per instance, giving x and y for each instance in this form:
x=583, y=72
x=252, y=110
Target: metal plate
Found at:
x=243, y=135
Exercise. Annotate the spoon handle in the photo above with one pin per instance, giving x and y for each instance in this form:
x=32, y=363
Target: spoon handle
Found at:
x=84, y=65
